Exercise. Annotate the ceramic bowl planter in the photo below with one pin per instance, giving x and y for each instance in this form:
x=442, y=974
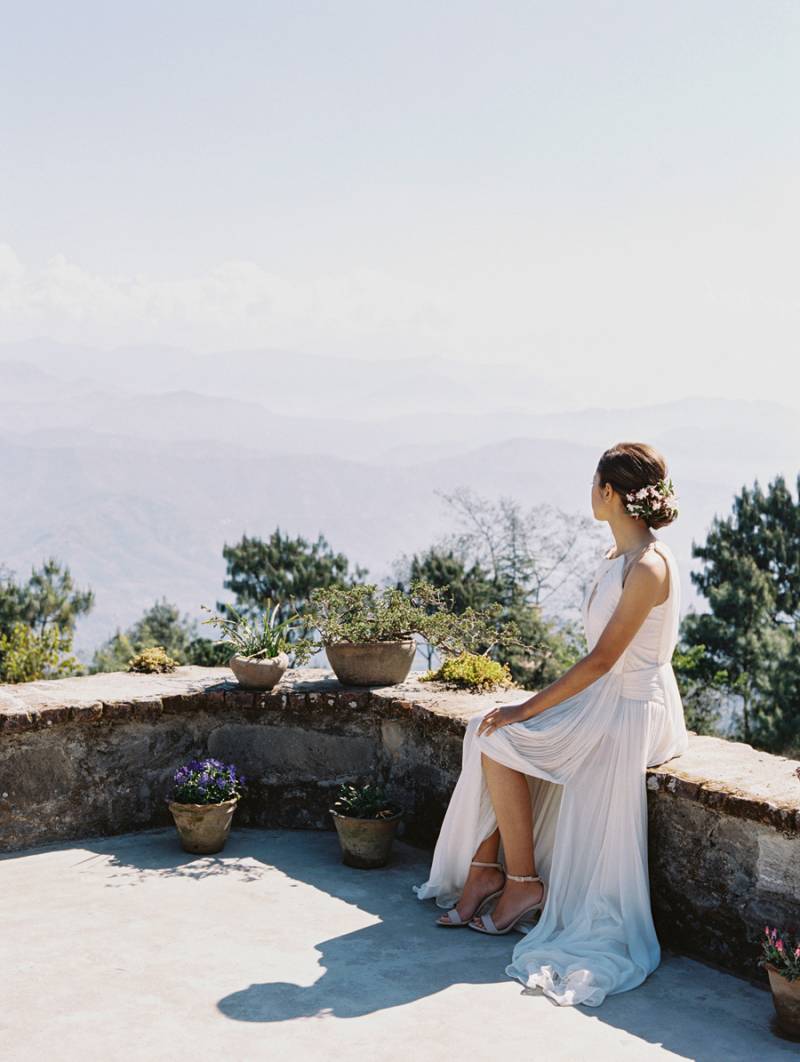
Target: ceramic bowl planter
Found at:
x=203, y=828
x=262, y=646
x=372, y=663
x=366, y=823
x=202, y=802
x=258, y=674
x=786, y=997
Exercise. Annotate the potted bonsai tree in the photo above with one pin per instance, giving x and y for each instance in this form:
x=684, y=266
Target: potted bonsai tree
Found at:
x=366, y=823
x=262, y=647
x=781, y=959
x=202, y=801
x=369, y=635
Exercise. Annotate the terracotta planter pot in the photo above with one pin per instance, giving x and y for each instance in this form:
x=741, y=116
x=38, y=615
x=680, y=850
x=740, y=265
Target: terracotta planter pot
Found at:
x=365, y=843
x=259, y=674
x=203, y=828
x=371, y=663
x=786, y=997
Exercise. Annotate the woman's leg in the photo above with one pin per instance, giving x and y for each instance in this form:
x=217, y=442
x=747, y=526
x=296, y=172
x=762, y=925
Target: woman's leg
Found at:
x=512, y=805
x=480, y=880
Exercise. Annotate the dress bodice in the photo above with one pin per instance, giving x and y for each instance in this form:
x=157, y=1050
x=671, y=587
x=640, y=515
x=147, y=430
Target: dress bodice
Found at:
x=645, y=664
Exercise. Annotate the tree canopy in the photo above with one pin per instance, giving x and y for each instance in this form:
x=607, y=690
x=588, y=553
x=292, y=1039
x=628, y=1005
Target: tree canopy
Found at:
x=751, y=580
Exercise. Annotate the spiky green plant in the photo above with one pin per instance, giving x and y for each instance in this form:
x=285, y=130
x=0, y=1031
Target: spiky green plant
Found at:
x=266, y=637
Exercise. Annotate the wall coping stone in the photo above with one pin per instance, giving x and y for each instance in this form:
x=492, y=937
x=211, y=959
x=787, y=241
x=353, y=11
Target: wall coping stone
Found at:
x=726, y=776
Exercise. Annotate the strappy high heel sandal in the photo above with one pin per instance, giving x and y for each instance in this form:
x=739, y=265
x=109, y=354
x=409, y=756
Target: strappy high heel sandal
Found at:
x=454, y=918
x=489, y=926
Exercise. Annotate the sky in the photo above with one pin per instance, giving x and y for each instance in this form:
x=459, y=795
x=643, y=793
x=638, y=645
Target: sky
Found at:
x=596, y=189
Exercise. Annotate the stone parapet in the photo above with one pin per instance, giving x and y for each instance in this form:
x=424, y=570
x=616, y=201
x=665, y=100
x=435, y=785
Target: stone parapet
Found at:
x=94, y=755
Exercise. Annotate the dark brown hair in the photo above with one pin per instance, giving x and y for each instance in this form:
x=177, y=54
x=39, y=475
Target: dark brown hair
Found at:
x=629, y=466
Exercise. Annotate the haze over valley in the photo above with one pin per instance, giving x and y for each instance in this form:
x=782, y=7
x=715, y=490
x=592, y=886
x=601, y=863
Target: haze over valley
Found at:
x=134, y=467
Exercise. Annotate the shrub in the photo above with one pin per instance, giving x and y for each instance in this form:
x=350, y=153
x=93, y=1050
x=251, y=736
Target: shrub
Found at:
x=152, y=661
x=471, y=671
x=27, y=656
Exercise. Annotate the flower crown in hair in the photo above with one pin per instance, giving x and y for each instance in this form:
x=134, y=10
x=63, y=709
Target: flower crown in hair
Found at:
x=656, y=499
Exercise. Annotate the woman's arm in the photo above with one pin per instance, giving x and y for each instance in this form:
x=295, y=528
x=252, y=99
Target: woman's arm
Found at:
x=647, y=585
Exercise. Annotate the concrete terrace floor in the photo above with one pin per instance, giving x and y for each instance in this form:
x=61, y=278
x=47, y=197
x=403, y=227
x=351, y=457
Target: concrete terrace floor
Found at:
x=130, y=948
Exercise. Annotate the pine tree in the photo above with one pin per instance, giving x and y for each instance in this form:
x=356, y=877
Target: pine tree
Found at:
x=751, y=579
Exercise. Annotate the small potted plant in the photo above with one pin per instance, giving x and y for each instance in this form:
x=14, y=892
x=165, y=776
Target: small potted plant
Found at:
x=369, y=635
x=262, y=647
x=781, y=959
x=202, y=801
x=366, y=823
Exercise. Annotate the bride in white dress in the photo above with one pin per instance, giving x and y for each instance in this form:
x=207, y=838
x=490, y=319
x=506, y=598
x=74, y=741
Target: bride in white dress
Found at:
x=557, y=782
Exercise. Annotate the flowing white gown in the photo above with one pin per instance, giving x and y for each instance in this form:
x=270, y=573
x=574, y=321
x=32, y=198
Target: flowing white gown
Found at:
x=585, y=761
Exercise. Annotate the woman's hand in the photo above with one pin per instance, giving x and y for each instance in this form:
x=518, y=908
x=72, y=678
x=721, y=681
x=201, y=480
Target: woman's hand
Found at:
x=502, y=716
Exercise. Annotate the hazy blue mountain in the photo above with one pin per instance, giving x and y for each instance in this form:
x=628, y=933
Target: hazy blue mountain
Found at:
x=136, y=476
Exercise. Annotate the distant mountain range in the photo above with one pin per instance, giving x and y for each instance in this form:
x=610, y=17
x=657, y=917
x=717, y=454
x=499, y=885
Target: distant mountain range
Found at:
x=128, y=466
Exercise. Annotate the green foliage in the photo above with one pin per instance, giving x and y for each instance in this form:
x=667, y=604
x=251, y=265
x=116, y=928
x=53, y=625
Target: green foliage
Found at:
x=367, y=801
x=545, y=649
x=204, y=652
x=49, y=599
x=37, y=623
x=282, y=569
x=152, y=661
x=701, y=691
x=467, y=587
x=28, y=656
x=363, y=613
x=266, y=637
x=162, y=624
x=751, y=579
x=471, y=671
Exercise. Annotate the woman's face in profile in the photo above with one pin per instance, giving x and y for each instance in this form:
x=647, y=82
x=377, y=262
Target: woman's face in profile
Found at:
x=598, y=504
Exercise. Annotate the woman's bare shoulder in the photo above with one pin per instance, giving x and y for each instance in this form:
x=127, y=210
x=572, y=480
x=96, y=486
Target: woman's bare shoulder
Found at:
x=649, y=575
x=649, y=571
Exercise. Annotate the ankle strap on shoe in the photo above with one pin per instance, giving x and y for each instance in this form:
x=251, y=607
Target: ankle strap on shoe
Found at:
x=475, y=863
x=523, y=877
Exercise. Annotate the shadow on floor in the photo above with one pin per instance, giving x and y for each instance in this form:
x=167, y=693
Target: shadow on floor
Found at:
x=695, y=1012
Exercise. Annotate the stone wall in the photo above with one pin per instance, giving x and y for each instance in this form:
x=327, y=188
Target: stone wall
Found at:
x=94, y=756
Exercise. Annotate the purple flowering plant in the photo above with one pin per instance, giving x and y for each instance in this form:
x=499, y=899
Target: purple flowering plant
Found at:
x=206, y=781
x=782, y=954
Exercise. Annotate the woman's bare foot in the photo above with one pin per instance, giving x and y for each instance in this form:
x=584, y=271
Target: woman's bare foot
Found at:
x=516, y=897
x=481, y=881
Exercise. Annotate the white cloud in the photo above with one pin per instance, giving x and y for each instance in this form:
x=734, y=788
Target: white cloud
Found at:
x=238, y=303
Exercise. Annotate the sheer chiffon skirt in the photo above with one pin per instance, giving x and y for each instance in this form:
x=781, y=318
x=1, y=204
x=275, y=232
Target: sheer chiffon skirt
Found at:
x=585, y=762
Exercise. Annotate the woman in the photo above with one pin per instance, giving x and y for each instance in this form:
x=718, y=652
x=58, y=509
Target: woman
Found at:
x=557, y=781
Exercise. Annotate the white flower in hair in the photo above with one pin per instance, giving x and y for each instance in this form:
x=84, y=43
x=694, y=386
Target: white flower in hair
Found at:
x=654, y=500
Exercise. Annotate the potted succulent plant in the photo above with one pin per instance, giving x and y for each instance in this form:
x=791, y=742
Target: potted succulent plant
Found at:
x=781, y=959
x=262, y=647
x=202, y=801
x=369, y=635
x=366, y=823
